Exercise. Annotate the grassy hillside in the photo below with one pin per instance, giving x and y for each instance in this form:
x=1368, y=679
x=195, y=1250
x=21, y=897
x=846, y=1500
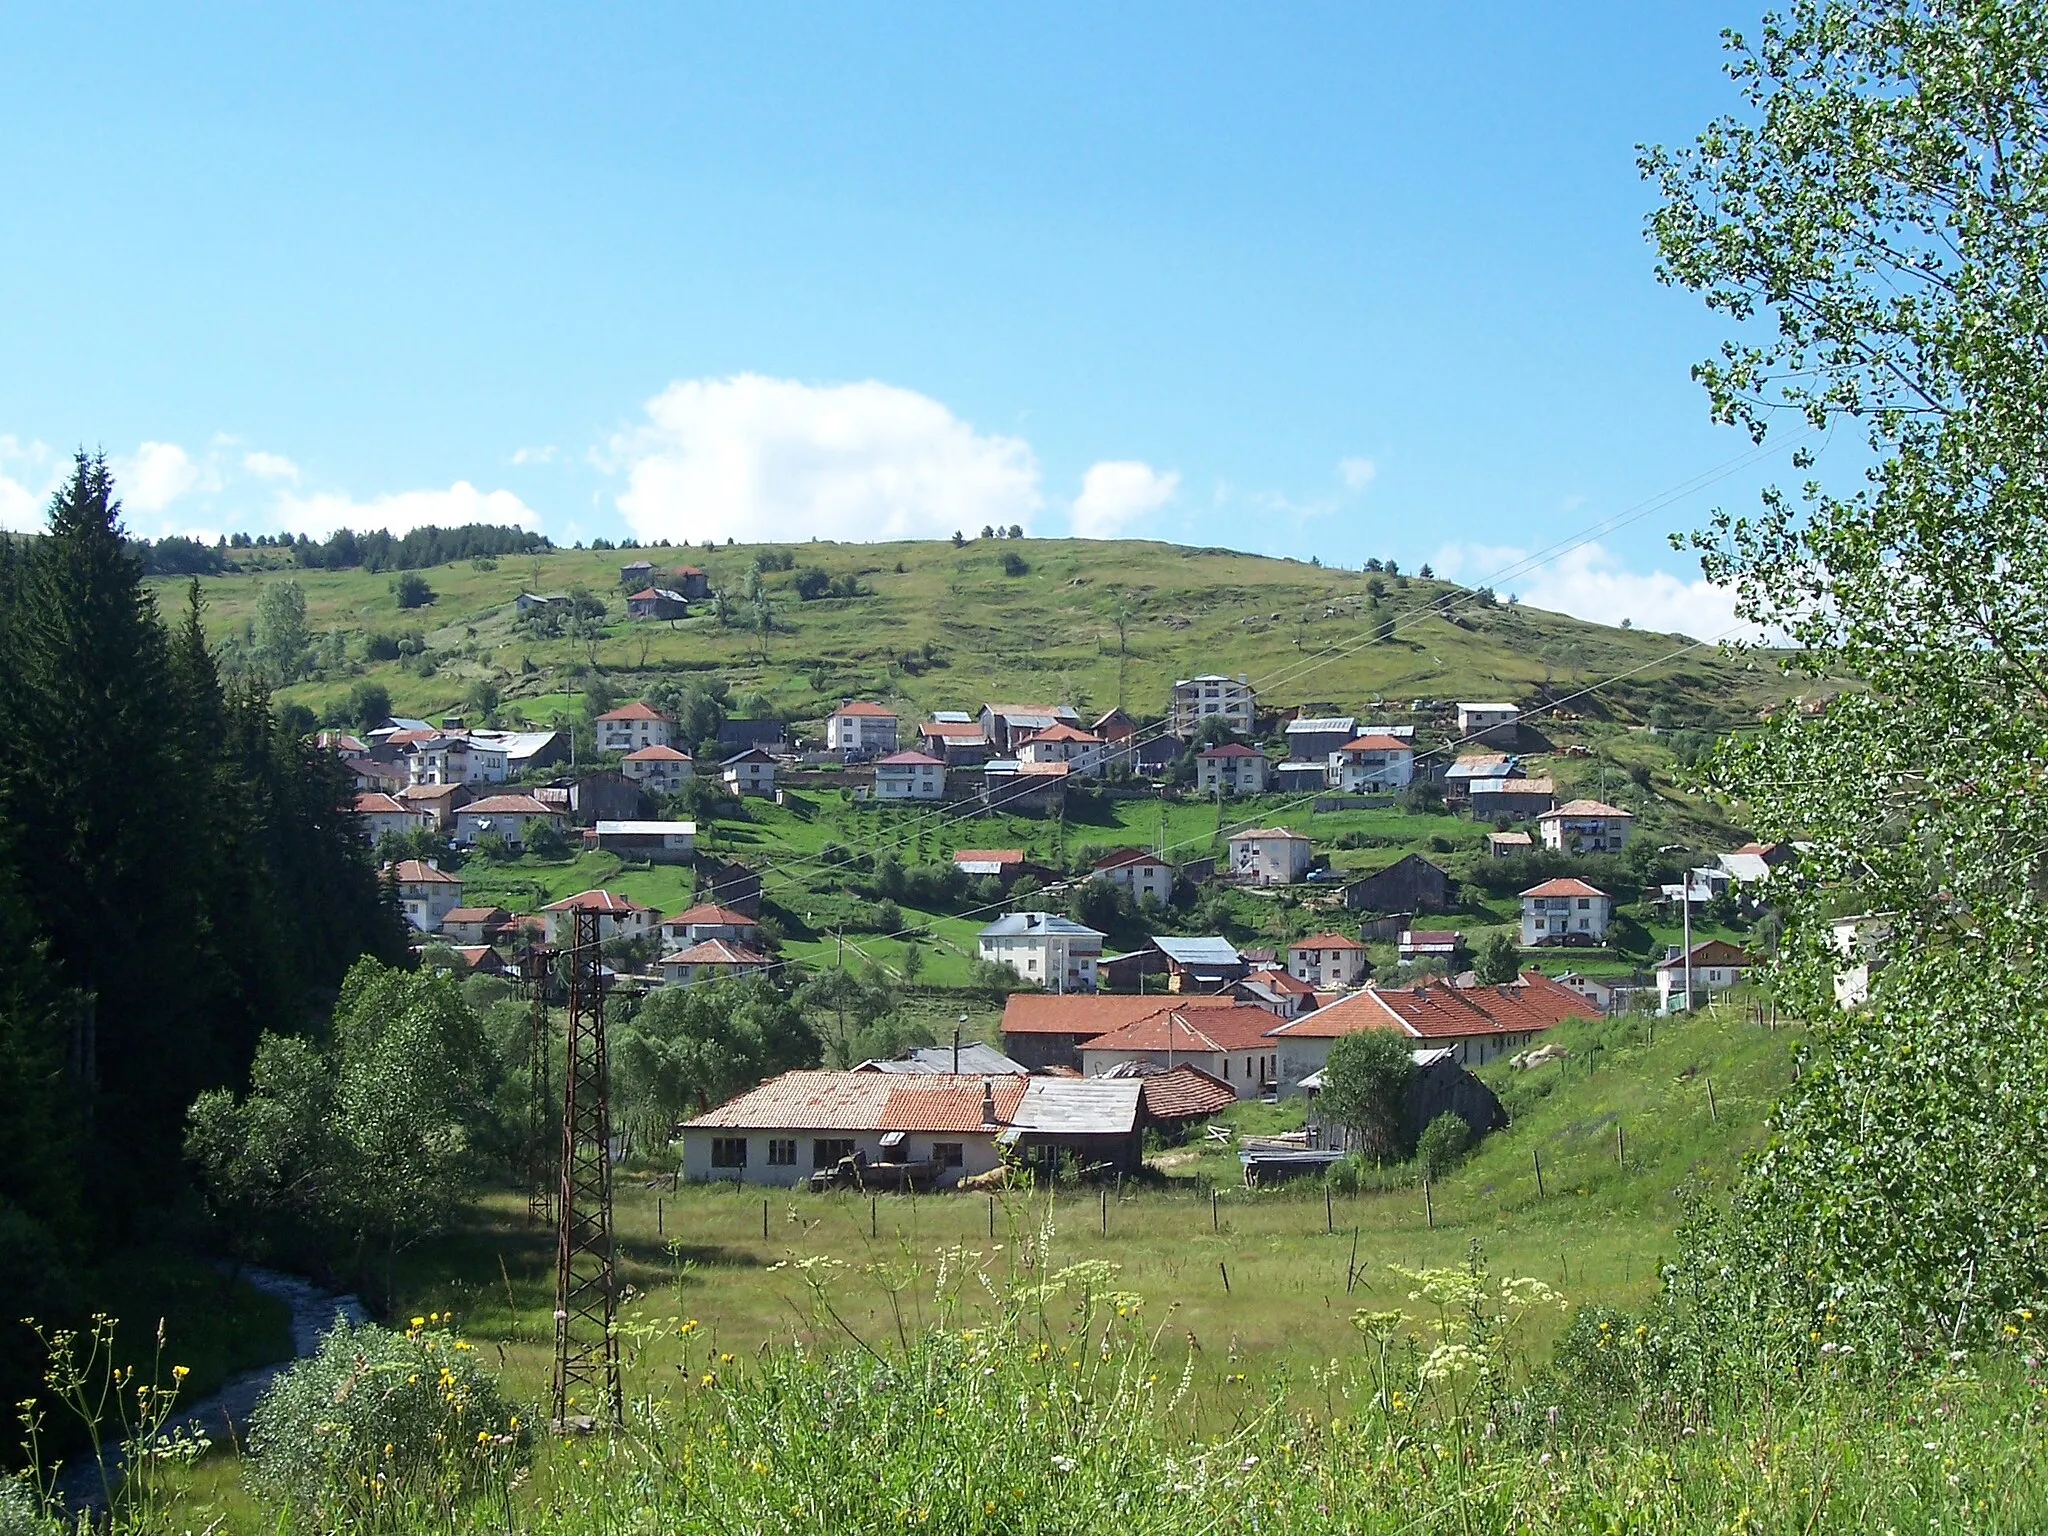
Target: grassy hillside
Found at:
x=940, y=627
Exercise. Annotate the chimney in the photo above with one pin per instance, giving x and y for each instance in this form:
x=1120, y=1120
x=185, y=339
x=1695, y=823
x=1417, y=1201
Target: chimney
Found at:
x=956, y=1050
x=988, y=1102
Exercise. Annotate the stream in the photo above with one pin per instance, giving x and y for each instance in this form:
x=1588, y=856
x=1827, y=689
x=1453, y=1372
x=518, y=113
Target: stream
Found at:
x=222, y=1416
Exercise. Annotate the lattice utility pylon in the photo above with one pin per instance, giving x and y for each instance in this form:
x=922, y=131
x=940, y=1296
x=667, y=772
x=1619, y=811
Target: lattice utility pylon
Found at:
x=537, y=975
x=586, y=1287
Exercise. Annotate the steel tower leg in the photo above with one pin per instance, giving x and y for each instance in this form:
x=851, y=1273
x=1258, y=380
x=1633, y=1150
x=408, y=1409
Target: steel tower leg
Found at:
x=586, y=1282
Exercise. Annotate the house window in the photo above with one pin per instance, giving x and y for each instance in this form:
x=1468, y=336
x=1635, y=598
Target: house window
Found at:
x=949, y=1154
x=1226, y=1069
x=1585, y=903
x=827, y=1151
x=728, y=1151
x=781, y=1152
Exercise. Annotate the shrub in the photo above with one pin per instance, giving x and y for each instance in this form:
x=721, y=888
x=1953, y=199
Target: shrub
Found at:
x=375, y=1422
x=380, y=647
x=811, y=583
x=411, y=590
x=1014, y=564
x=1444, y=1141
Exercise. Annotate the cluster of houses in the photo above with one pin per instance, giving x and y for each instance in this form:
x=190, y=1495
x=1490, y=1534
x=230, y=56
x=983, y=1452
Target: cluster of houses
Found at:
x=1085, y=1076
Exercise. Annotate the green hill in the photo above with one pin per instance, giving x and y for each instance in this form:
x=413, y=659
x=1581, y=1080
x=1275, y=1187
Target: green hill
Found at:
x=942, y=627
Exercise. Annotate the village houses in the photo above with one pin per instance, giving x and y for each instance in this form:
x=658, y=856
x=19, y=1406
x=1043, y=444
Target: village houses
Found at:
x=1005, y=726
x=618, y=917
x=633, y=726
x=427, y=893
x=378, y=815
x=1585, y=826
x=1229, y=1043
x=1056, y=952
x=658, y=842
x=1565, y=911
x=1715, y=966
x=751, y=772
x=957, y=743
x=1270, y=856
x=1329, y=960
x=1211, y=697
x=663, y=770
x=1373, y=764
x=711, y=960
x=1135, y=870
x=708, y=920
x=860, y=729
x=1231, y=768
x=1493, y=723
x=510, y=817
x=909, y=776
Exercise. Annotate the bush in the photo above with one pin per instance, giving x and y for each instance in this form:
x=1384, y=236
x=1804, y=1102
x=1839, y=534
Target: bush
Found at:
x=380, y=647
x=411, y=590
x=1014, y=564
x=1443, y=1143
x=376, y=1422
x=811, y=583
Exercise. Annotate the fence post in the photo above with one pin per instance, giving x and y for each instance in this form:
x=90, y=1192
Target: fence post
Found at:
x=764, y=1218
x=1351, y=1269
x=1329, y=1209
x=1428, y=1210
x=1713, y=1113
x=874, y=1215
x=1620, y=1147
x=1105, y=1211
x=660, y=1230
x=1537, y=1158
x=1224, y=1270
x=1212, y=1209
x=991, y=1215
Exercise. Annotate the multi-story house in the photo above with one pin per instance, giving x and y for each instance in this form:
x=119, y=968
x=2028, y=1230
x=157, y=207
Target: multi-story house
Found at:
x=1585, y=826
x=1565, y=911
x=1212, y=697
x=858, y=728
x=1232, y=768
x=909, y=776
x=633, y=726
x=1137, y=871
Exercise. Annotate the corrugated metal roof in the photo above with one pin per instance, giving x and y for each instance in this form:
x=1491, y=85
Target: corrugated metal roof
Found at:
x=1198, y=951
x=1037, y=924
x=1077, y=1106
x=925, y=1060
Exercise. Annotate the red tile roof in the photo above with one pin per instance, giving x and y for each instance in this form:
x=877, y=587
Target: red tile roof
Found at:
x=1373, y=743
x=988, y=855
x=715, y=952
x=370, y=803
x=475, y=915
x=420, y=872
x=1233, y=1027
x=1063, y=732
x=868, y=1101
x=910, y=760
x=1232, y=749
x=633, y=711
x=1053, y=1013
x=710, y=913
x=506, y=805
x=1117, y=858
x=643, y=594
x=1564, y=886
x=1588, y=808
x=1043, y=770
x=951, y=730
x=1279, y=980
x=596, y=901
x=862, y=707
x=1440, y=1012
x=656, y=755
x=1184, y=1092
x=1325, y=941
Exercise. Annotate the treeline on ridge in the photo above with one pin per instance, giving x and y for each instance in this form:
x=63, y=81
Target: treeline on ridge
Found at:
x=376, y=550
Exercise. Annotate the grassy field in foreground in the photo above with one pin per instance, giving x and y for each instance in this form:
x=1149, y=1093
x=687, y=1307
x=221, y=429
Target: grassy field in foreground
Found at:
x=1597, y=1234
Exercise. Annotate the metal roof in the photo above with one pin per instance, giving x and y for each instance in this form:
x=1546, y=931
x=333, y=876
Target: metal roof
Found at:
x=1324, y=724
x=1077, y=1106
x=1025, y=924
x=1198, y=951
x=646, y=828
x=974, y=1057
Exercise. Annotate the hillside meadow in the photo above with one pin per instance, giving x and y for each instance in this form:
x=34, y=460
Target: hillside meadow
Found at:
x=939, y=627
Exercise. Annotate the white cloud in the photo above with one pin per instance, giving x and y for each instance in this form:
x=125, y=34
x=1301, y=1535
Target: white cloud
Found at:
x=1590, y=583
x=269, y=466
x=1357, y=473
x=751, y=457
x=320, y=514
x=1116, y=493
x=21, y=507
x=544, y=454
x=157, y=475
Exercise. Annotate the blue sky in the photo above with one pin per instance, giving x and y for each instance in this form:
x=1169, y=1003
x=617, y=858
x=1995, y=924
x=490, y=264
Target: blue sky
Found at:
x=1342, y=281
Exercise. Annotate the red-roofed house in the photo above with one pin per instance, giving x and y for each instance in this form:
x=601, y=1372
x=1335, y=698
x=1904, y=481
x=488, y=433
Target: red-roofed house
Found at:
x=1373, y=764
x=657, y=603
x=1228, y=1042
x=1137, y=871
x=509, y=816
x=1080, y=750
x=712, y=960
x=378, y=814
x=708, y=921
x=957, y=743
x=662, y=769
x=618, y=917
x=633, y=726
x=1429, y=944
x=1270, y=856
x=1232, y=768
x=1585, y=826
x=1042, y=1030
x=1329, y=960
x=426, y=892
x=1565, y=911
x=909, y=776
x=1479, y=1023
x=858, y=728
x=1004, y=864
x=469, y=926
x=805, y=1122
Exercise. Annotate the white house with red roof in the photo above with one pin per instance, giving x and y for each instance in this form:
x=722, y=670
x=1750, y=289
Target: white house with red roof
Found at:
x=618, y=917
x=426, y=892
x=1565, y=911
x=509, y=816
x=708, y=920
x=664, y=770
x=1230, y=1043
x=1082, y=751
x=960, y=743
x=751, y=772
x=1479, y=1023
x=1232, y=768
x=909, y=776
x=1270, y=856
x=633, y=726
x=1585, y=826
x=859, y=728
x=1331, y=960
x=1373, y=764
x=711, y=960
x=1138, y=871
x=377, y=814
x=1715, y=966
